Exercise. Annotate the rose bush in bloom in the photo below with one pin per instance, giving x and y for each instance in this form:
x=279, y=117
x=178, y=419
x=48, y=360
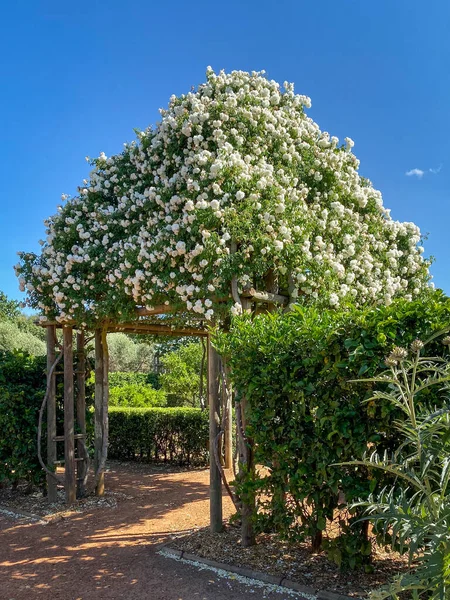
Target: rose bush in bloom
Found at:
x=233, y=183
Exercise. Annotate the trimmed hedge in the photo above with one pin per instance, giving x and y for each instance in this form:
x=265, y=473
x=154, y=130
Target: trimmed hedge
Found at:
x=306, y=414
x=22, y=388
x=178, y=435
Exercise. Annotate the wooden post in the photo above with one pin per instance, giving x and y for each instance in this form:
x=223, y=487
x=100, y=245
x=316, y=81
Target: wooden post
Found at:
x=215, y=480
x=105, y=404
x=52, y=490
x=69, y=446
x=100, y=488
x=81, y=413
x=227, y=407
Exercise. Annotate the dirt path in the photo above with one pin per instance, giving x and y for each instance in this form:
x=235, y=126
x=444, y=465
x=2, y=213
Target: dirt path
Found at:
x=111, y=553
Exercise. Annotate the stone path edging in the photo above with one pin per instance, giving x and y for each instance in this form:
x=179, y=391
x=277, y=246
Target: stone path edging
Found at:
x=251, y=574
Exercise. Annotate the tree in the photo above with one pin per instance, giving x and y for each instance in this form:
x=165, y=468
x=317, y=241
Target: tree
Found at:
x=181, y=377
x=17, y=331
x=12, y=338
x=9, y=309
x=128, y=355
x=235, y=187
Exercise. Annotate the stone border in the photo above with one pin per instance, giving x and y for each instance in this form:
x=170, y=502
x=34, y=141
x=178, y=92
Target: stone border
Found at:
x=21, y=514
x=280, y=581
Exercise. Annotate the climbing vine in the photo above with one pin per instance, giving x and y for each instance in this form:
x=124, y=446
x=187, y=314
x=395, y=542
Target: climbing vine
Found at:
x=234, y=183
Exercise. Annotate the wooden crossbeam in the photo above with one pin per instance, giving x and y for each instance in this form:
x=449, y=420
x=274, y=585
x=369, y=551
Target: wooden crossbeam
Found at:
x=163, y=309
x=265, y=297
x=138, y=327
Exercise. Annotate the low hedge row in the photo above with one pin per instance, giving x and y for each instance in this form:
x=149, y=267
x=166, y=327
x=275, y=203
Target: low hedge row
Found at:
x=177, y=435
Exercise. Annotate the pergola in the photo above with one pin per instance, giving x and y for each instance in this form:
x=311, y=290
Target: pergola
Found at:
x=154, y=321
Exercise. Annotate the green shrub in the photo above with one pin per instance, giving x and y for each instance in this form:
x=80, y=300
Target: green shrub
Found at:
x=136, y=395
x=414, y=514
x=181, y=377
x=120, y=378
x=305, y=413
x=129, y=354
x=22, y=388
x=14, y=338
x=159, y=434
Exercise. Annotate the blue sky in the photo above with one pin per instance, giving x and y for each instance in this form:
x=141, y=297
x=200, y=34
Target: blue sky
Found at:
x=77, y=77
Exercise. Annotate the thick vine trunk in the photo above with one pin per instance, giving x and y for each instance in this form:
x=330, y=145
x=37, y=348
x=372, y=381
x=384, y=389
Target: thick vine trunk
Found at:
x=246, y=468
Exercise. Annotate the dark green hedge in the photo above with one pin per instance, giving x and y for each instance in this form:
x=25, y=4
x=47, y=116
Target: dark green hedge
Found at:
x=178, y=435
x=306, y=414
x=22, y=388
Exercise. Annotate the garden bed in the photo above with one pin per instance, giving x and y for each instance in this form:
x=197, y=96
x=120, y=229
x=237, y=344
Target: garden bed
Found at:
x=293, y=561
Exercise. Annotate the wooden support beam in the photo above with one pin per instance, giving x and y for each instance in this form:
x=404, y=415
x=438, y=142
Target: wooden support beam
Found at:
x=100, y=488
x=81, y=413
x=215, y=479
x=52, y=491
x=265, y=297
x=105, y=406
x=162, y=309
x=69, y=447
x=150, y=328
x=227, y=407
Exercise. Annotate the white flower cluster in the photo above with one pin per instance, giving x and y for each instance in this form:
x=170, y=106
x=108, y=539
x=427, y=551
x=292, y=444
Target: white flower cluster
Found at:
x=235, y=181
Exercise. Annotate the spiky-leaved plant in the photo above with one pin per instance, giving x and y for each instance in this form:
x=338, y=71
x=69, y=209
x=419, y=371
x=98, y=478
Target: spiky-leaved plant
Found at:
x=415, y=511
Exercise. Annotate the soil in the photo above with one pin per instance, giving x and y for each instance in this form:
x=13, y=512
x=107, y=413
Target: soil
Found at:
x=107, y=548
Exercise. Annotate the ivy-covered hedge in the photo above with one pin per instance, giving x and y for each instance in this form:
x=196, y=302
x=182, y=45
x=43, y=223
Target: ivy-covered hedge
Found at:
x=22, y=388
x=306, y=413
x=178, y=435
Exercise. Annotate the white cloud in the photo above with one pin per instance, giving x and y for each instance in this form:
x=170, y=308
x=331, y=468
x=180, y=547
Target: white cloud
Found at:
x=417, y=172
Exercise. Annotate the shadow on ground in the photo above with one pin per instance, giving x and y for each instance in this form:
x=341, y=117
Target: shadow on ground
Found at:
x=111, y=552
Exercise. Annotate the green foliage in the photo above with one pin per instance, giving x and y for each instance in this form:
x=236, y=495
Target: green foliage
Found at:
x=13, y=338
x=121, y=378
x=170, y=434
x=22, y=388
x=27, y=324
x=181, y=377
x=136, y=395
x=306, y=415
x=17, y=331
x=9, y=309
x=414, y=513
x=126, y=354
x=134, y=389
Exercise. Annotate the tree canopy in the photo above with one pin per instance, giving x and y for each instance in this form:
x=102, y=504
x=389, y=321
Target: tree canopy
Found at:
x=234, y=183
x=9, y=309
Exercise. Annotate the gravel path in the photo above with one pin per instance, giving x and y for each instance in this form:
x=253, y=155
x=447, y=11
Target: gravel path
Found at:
x=110, y=552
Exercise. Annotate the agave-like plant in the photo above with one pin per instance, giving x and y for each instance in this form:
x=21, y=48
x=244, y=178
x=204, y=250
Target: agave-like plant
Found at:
x=415, y=511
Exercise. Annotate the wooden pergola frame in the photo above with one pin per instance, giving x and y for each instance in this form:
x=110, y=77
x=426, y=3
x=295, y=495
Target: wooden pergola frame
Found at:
x=76, y=461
